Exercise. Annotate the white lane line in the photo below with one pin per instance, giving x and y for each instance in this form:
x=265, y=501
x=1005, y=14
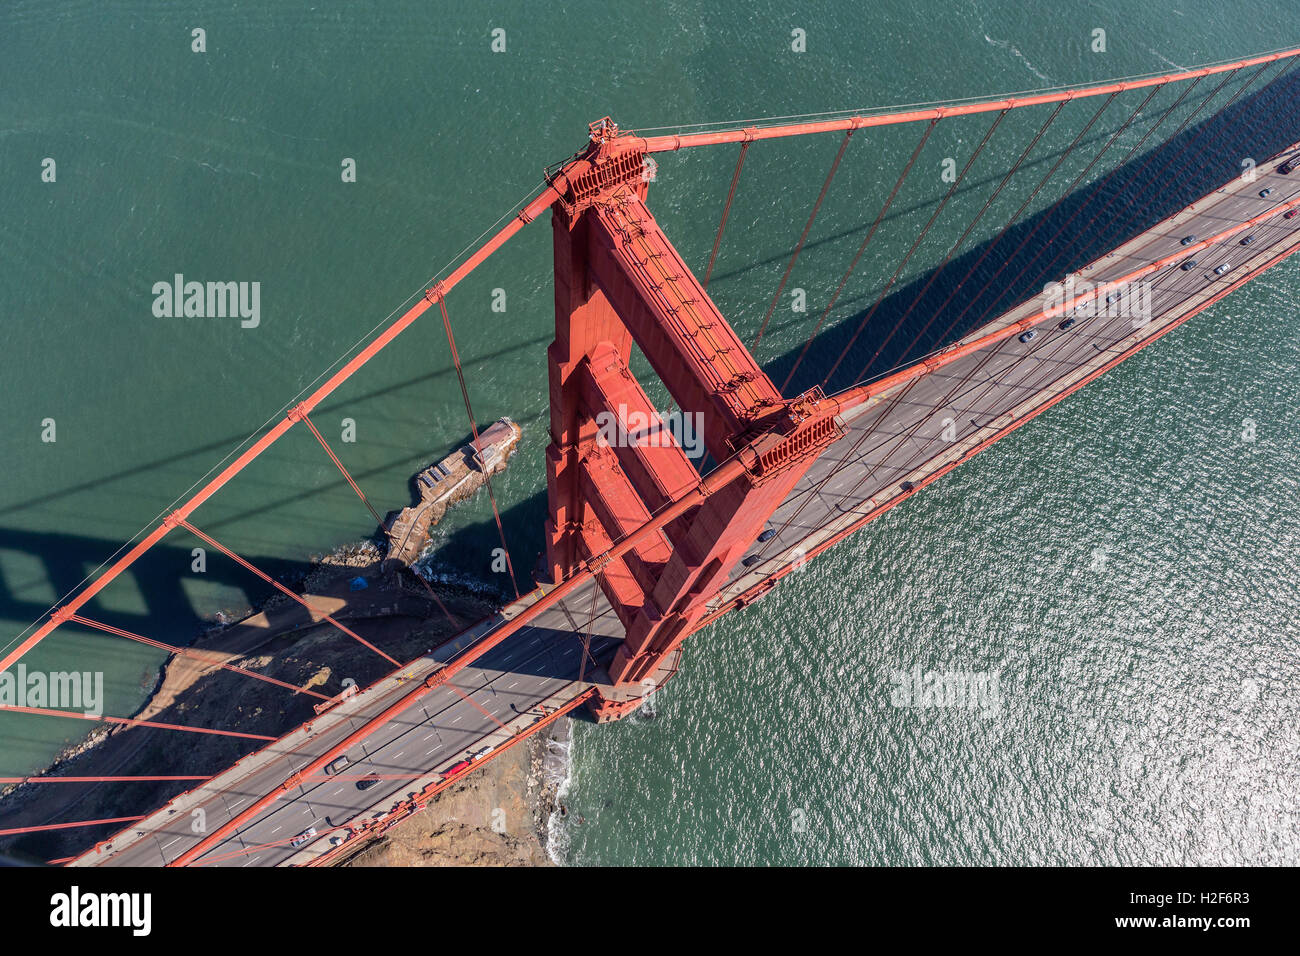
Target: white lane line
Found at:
x=398, y=754
x=278, y=829
x=253, y=860
x=166, y=845
x=339, y=790
x=426, y=753
x=233, y=805
x=513, y=686
x=458, y=719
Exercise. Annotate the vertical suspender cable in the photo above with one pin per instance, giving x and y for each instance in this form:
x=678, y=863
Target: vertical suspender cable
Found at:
x=880, y=216
x=952, y=251
x=902, y=392
x=726, y=211
x=380, y=521
x=473, y=427
x=284, y=590
x=804, y=237
x=1069, y=190
x=952, y=189
x=1015, y=217
x=1109, y=175
x=980, y=365
x=193, y=653
x=989, y=202
x=1180, y=154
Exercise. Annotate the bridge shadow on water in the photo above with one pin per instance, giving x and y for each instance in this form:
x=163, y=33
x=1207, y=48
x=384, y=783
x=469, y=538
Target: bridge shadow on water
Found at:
x=222, y=699
x=161, y=577
x=1082, y=227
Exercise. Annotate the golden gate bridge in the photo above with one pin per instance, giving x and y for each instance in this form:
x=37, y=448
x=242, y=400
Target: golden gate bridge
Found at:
x=643, y=546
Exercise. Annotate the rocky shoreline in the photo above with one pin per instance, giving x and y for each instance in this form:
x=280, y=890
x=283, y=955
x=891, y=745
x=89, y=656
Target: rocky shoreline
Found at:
x=496, y=816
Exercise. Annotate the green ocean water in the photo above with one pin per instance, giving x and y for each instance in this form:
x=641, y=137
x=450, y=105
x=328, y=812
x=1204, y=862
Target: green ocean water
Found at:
x=1126, y=563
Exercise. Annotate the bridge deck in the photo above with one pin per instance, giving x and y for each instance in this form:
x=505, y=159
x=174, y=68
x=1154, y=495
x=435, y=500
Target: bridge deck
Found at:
x=891, y=444
x=887, y=445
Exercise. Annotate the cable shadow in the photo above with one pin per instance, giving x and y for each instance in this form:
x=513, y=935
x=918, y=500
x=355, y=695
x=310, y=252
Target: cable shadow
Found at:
x=225, y=444
x=1065, y=237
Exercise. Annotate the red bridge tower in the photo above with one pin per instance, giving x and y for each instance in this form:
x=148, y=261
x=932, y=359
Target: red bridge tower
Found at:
x=619, y=281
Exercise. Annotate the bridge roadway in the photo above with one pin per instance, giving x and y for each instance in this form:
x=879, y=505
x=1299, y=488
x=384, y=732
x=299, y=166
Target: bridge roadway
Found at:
x=540, y=663
x=897, y=442
x=894, y=445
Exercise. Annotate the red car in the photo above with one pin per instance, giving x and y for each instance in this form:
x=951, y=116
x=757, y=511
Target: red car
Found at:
x=457, y=768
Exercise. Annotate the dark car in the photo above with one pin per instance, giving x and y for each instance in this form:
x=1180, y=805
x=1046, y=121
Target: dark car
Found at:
x=1188, y=240
x=1068, y=323
x=1290, y=213
x=1248, y=240
x=1030, y=335
x=365, y=783
x=1188, y=266
x=1265, y=193
x=1290, y=166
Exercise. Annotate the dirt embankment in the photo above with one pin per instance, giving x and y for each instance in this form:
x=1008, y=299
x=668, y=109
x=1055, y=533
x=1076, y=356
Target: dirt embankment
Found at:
x=481, y=821
x=496, y=817
x=195, y=692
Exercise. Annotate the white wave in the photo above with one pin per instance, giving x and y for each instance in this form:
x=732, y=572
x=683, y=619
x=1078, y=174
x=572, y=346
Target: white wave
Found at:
x=557, y=771
x=1006, y=45
x=1168, y=62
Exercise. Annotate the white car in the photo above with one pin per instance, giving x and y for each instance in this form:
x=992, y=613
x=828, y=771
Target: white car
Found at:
x=303, y=837
x=334, y=766
x=480, y=754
